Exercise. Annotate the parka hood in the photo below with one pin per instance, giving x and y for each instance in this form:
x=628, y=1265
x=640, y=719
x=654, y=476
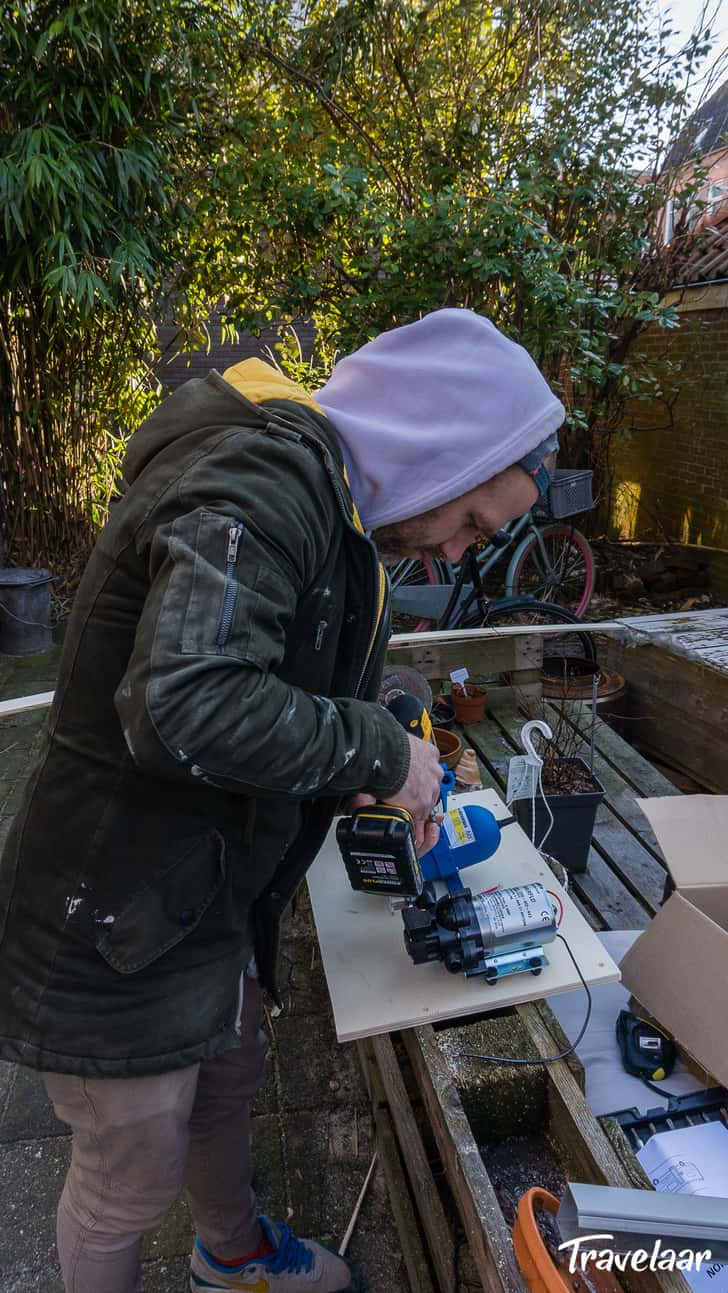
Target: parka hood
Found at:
x=212, y=401
x=430, y=410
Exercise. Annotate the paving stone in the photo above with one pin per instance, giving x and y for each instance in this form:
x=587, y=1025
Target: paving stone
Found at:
x=31, y=1178
x=266, y=1100
x=302, y=979
x=27, y=1112
x=325, y=1171
x=269, y=1167
x=30, y=674
x=314, y=1069
x=166, y=1276
x=173, y=1237
x=47, y=1280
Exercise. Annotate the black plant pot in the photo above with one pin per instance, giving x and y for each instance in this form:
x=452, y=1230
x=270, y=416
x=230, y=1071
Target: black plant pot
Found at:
x=574, y=815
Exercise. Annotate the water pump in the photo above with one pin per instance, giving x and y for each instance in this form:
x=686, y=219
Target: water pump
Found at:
x=496, y=933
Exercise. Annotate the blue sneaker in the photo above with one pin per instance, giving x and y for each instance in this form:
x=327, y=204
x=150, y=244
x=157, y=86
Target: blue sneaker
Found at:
x=294, y=1266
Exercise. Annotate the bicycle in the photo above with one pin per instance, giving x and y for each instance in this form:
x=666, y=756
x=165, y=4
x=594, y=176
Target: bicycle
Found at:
x=469, y=607
x=553, y=562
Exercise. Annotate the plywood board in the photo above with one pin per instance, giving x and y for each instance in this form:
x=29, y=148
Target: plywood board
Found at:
x=373, y=984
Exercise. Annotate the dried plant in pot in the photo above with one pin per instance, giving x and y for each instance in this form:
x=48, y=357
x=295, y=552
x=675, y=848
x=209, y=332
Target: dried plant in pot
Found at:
x=573, y=794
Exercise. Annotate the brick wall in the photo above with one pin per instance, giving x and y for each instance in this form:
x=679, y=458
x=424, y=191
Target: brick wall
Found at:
x=174, y=369
x=671, y=467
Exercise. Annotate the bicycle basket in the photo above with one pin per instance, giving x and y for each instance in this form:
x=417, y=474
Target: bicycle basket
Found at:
x=569, y=492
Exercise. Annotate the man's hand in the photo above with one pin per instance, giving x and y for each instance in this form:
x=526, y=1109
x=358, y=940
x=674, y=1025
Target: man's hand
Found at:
x=421, y=790
x=427, y=832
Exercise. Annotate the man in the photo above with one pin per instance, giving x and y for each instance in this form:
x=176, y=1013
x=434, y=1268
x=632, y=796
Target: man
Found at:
x=216, y=702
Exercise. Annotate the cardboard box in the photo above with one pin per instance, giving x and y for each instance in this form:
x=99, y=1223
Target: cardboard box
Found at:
x=678, y=968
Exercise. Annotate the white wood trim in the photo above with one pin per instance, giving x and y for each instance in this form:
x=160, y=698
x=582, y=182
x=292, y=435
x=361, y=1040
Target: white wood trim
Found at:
x=23, y=703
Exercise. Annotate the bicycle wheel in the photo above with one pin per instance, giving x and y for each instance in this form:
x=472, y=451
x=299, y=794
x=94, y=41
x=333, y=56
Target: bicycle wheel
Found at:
x=526, y=610
x=565, y=577
x=408, y=572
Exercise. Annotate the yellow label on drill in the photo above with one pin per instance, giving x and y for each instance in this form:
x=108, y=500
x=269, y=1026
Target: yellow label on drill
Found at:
x=457, y=828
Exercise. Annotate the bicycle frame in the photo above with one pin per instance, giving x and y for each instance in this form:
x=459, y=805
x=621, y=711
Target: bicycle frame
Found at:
x=430, y=600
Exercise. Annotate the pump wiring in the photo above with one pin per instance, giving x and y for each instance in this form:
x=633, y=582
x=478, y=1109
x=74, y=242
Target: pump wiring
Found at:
x=549, y=1059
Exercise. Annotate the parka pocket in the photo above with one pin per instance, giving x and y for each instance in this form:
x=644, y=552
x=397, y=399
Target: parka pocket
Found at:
x=163, y=912
x=223, y=596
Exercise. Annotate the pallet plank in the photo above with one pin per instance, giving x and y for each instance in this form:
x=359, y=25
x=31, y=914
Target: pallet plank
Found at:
x=484, y=1223
x=412, y=1248
x=632, y=864
x=426, y=1198
x=498, y=655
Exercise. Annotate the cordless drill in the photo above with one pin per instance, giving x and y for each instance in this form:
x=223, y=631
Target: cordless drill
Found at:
x=378, y=842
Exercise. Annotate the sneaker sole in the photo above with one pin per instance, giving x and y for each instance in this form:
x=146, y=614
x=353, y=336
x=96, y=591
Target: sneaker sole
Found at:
x=201, y=1286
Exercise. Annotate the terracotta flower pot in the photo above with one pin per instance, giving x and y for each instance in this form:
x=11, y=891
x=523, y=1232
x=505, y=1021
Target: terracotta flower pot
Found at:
x=469, y=706
x=538, y=1267
x=449, y=745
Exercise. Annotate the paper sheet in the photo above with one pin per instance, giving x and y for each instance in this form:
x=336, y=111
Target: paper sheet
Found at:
x=692, y=1160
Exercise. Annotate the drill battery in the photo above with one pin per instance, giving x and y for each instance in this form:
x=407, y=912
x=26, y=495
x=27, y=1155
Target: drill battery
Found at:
x=378, y=848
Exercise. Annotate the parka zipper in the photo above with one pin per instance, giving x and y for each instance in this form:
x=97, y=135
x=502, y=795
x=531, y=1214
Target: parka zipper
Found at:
x=380, y=621
x=235, y=534
x=382, y=578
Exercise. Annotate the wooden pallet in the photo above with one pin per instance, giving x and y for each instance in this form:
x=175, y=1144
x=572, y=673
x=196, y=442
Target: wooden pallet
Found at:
x=624, y=883
x=591, y=1152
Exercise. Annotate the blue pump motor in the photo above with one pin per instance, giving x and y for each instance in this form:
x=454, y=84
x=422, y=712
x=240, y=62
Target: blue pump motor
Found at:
x=469, y=834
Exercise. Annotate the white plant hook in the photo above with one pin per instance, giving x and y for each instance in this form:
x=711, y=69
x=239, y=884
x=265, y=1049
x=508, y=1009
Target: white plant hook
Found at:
x=535, y=725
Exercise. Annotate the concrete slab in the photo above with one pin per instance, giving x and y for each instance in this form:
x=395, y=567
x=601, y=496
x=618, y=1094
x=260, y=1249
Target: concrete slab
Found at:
x=314, y=1069
x=32, y=1173
x=28, y=1113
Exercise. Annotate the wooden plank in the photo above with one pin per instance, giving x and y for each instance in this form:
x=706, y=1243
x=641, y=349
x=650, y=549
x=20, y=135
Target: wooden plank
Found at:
x=23, y=703
x=487, y=1233
x=621, y=796
x=463, y=636
x=678, y=708
x=424, y=1191
x=594, y=1159
x=413, y=1251
x=498, y=655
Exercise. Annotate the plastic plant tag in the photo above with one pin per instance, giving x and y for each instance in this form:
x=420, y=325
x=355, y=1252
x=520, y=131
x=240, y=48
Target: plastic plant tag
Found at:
x=524, y=769
x=522, y=779
x=458, y=678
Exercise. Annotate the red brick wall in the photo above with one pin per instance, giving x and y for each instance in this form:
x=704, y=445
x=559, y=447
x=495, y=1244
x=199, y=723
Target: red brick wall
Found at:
x=671, y=466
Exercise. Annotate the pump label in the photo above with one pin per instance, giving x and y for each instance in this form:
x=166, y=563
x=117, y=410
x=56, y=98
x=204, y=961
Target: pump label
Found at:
x=457, y=828
x=522, y=909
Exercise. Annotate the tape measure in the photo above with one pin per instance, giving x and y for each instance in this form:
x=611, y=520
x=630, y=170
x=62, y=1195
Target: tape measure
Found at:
x=646, y=1052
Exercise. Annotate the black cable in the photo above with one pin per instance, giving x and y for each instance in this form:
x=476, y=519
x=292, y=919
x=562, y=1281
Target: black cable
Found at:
x=671, y=1095
x=550, y=1059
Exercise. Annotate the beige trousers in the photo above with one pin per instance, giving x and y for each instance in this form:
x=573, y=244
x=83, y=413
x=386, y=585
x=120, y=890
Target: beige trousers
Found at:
x=138, y=1141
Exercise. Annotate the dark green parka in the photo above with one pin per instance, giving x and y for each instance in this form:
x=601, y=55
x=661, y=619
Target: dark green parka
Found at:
x=209, y=716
